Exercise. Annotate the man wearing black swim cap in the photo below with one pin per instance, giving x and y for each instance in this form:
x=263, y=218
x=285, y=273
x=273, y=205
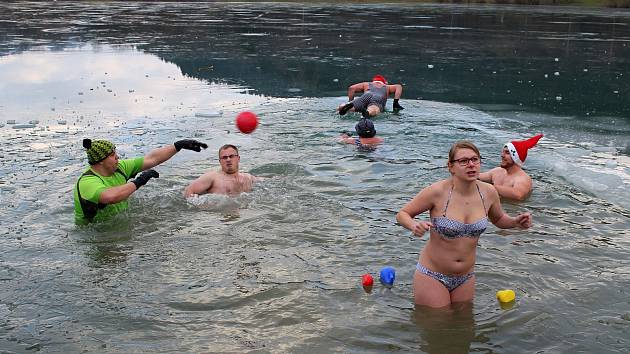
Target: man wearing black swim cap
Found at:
x=367, y=135
x=103, y=189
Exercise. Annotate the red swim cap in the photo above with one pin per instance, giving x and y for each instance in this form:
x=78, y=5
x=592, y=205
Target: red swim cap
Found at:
x=379, y=78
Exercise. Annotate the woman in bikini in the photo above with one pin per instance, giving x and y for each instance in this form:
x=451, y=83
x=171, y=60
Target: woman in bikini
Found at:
x=460, y=208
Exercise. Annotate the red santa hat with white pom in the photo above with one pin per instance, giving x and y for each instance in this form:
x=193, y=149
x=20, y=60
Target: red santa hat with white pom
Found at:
x=518, y=148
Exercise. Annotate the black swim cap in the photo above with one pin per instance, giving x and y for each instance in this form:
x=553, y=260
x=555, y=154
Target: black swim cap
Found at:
x=365, y=128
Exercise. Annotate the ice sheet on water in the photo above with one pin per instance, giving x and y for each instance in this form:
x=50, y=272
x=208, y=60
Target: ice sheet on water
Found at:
x=23, y=126
x=592, y=181
x=209, y=114
x=603, y=174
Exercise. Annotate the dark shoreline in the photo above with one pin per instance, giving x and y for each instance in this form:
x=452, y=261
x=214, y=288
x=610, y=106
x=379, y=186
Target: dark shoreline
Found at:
x=585, y=3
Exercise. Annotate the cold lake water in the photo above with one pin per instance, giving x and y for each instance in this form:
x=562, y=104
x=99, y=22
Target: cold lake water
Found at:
x=278, y=269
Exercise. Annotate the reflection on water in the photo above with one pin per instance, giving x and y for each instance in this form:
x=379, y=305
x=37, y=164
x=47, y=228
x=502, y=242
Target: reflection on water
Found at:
x=105, y=85
x=446, y=330
x=278, y=269
x=563, y=60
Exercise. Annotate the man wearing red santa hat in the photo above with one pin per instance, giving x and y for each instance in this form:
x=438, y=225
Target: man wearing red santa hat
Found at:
x=509, y=179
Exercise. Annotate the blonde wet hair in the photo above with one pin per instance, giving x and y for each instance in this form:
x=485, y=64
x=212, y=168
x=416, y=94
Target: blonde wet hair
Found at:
x=458, y=145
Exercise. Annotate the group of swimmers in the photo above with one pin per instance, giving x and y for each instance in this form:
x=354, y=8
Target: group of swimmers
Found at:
x=369, y=104
x=460, y=207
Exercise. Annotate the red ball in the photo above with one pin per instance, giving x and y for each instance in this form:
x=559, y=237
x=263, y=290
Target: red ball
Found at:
x=367, y=280
x=246, y=122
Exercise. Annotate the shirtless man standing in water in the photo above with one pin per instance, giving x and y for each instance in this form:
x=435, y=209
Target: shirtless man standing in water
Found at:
x=228, y=181
x=509, y=179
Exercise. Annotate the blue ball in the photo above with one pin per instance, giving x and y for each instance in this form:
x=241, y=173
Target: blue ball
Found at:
x=387, y=276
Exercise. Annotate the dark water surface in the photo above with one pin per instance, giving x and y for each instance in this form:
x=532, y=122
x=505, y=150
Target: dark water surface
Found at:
x=278, y=269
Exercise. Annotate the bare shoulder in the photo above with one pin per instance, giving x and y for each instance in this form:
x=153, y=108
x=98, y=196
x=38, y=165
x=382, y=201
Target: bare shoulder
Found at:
x=488, y=190
x=209, y=176
x=346, y=140
x=496, y=171
x=249, y=176
x=522, y=176
x=438, y=188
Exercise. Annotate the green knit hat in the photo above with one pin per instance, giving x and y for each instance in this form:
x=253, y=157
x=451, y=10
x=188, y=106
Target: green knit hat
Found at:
x=98, y=150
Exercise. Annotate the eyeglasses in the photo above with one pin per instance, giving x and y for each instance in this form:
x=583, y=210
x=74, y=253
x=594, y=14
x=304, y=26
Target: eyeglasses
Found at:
x=226, y=157
x=464, y=162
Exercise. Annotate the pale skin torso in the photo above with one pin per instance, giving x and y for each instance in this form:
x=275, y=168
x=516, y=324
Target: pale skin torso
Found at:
x=511, y=183
x=509, y=179
x=456, y=256
x=220, y=182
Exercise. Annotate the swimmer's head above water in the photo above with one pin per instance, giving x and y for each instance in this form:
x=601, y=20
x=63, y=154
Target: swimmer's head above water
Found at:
x=365, y=128
x=98, y=150
x=380, y=78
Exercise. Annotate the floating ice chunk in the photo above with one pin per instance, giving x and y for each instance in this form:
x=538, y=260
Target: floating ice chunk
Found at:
x=556, y=73
x=23, y=126
x=558, y=98
x=604, y=149
x=335, y=80
x=592, y=181
x=585, y=70
x=556, y=59
x=209, y=114
x=546, y=76
x=430, y=66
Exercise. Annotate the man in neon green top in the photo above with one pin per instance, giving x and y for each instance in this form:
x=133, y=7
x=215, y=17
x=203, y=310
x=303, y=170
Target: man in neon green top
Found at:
x=103, y=190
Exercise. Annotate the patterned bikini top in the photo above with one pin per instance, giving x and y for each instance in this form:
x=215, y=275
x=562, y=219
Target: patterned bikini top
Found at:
x=449, y=228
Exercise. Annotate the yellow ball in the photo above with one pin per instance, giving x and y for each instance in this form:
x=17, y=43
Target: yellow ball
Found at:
x=506, y=295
